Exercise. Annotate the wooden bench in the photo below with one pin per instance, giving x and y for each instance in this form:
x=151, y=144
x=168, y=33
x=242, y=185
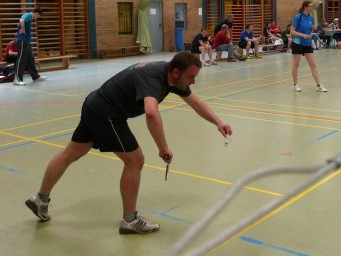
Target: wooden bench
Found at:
x=119, y=52
x=65, y=62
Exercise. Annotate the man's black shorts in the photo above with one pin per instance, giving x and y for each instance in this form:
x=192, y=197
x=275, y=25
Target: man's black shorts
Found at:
x=301, y=49
x=243, y=44
x=107, y=134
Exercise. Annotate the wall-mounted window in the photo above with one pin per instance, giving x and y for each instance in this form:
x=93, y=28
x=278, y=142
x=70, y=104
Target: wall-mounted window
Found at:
x=125, y=18
x=181, y=16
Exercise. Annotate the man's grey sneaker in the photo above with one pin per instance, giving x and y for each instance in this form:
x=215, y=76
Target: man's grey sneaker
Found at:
x=40, y=209
x=39, y=79
x=321, y=88
x=139, y=226
x=296, y=88
x=16, y=82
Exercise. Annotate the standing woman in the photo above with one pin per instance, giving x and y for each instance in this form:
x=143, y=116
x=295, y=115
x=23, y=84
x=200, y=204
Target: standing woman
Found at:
x=302, y=26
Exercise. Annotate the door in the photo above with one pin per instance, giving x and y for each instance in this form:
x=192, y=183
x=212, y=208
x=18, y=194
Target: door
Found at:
x=154, y=12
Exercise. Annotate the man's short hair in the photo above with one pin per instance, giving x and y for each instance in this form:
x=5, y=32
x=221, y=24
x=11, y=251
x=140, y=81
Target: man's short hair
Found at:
x=224, y=26
x=202, y=29
x=38, y=10
x=183, y=60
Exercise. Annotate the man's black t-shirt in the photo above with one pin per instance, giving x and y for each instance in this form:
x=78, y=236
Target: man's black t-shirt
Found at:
x=195, y=43
x=122, y=96
x=217, y=28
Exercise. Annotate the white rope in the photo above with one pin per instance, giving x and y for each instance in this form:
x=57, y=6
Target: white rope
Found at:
x=318, y=173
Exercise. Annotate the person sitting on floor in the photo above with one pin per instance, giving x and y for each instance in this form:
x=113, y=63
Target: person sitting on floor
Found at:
x=274, y=29
x=222, y=42
x=201, y=45
x=247, y=41
x=335, y=26
x=321, y=27
x=316, y=41
x=10, y=56
x=287, y=38
x=11, y=51
x=269, y=37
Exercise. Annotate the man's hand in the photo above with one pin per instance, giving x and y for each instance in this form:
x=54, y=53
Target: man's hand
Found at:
x=167, y=156
x=225, y=129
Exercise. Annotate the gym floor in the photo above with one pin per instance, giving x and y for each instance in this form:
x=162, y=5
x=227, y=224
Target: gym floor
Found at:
x=273, y=126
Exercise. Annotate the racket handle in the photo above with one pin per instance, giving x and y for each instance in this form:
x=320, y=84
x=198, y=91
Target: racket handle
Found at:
x=166, y=157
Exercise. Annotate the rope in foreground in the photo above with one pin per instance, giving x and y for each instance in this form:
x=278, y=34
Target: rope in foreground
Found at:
x=316, y=174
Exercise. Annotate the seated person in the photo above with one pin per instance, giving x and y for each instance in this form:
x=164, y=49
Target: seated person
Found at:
x=247, y=41
x=321, y=27
x=274, y=29
x=335, y=26
x=286, y=37
x=10, y=56
x=201, y=45
x=315, y=39
x=269, y=37
x=11, y=52
x=222, y=42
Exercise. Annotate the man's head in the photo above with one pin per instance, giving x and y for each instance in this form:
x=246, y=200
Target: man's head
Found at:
x=36, y=12
x=229, y=17
x=249, y=27
x=183, y=69
x=203, y=31
x=224, y=27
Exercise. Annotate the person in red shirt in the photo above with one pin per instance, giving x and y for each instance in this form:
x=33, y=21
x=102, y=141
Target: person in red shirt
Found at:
x=11, y=52
x=274, y=29
x=222, y=42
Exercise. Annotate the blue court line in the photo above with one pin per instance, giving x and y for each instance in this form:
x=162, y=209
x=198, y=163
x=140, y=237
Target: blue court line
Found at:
x=10, y=170
x=16, y=172
x=168, y=216
x=243, y=238
x=299, y=148
x=275, y=247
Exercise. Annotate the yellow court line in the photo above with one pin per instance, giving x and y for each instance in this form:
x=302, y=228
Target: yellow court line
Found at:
x=277, y=60
x=42, y=122
x=52, y=93
x=262, y=77
x=281, y=105
x=270, y=121
x=146, y=165
x=279, y=209
x=273, y=112
x=44, y=92
x=217, y=181
x=37, y=137
x=279, y=113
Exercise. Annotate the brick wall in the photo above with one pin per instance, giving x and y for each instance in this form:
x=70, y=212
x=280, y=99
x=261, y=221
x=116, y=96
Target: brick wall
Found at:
x=286, y=10
x=194, y=22
x=107, y=23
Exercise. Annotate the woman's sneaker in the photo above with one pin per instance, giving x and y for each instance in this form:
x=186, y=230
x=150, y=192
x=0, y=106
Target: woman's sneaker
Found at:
x=138, y=226
x=321, y=88
x=296, y=88
x=40, y=209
